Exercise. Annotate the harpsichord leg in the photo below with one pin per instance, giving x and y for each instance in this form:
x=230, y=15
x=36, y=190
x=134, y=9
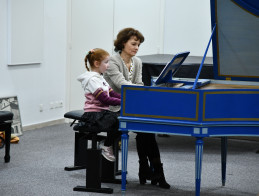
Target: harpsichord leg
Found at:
x=223, y=159
x=198, y=164
x=124, y=151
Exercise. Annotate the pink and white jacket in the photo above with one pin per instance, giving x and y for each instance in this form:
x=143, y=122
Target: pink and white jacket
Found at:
x=98, y=93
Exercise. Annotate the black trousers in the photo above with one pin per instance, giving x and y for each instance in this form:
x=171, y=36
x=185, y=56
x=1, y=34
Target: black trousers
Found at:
x=104, y=121
x=147, y=147
x=112, y=135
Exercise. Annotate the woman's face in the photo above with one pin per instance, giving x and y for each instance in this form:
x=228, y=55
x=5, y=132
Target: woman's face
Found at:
x=131, y=46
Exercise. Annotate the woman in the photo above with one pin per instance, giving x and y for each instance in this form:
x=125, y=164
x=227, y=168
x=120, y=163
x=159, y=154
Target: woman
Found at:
x=126, y=69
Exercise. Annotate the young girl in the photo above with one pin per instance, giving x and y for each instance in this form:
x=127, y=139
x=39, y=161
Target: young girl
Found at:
x=99, y=96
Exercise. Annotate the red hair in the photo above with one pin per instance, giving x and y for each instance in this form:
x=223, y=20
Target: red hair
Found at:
x=93, y=55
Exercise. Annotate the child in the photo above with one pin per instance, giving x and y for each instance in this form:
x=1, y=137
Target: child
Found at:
x=99, y=96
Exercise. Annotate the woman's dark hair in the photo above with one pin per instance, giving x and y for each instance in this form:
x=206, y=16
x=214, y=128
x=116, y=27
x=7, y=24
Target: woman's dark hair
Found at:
x=124, y=35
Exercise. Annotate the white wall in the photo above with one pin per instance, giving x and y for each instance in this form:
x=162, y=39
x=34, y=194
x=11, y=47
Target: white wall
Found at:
x=168, y=26
x=187, y=27
x=94, y=26
x=144, y=15
x=25, y=30
x=91, y=27
x=42, y=83
x=6, y=82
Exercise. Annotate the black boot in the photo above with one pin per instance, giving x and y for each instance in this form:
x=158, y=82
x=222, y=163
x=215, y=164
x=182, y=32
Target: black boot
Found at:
x=145, y=173
x=159, y=176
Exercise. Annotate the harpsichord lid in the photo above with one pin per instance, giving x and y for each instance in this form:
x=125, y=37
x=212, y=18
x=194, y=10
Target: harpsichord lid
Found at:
x=236, y=41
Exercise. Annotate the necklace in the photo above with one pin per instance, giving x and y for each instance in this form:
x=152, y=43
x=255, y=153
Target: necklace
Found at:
x=129, y=64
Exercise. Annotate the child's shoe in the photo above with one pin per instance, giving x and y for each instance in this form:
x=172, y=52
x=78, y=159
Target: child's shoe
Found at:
x=107, y=152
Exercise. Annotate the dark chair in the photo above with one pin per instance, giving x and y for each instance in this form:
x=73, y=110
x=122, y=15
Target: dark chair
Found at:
x=98, y=169
x=6, y=119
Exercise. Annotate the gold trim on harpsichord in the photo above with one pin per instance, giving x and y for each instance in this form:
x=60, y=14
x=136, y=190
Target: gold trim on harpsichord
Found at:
x=158, y=116
x=226, y=119
x=228, y=77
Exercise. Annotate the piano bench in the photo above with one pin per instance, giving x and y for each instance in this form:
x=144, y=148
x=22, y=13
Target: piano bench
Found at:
x=98, y=169
x=6, y=119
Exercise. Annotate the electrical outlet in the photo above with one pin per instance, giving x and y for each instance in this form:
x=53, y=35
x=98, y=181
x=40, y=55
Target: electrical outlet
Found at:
x=61, y=104
x=56, y=104
x=51, y=105
x=41, y=107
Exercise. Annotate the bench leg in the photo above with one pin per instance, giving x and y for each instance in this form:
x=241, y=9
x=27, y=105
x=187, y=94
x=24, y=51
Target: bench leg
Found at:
x=110, y=169
x=109, y=172
x=7, y=127
x=93, y=173
x=72, y=168
x=81, y=145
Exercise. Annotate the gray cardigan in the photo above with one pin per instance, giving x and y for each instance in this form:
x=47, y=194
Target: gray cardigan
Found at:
x=117, y=74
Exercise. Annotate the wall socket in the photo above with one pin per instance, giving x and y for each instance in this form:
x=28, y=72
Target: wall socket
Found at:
x=56, y=104
x=41, y=107
x=52, y=105
x=61, y=104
